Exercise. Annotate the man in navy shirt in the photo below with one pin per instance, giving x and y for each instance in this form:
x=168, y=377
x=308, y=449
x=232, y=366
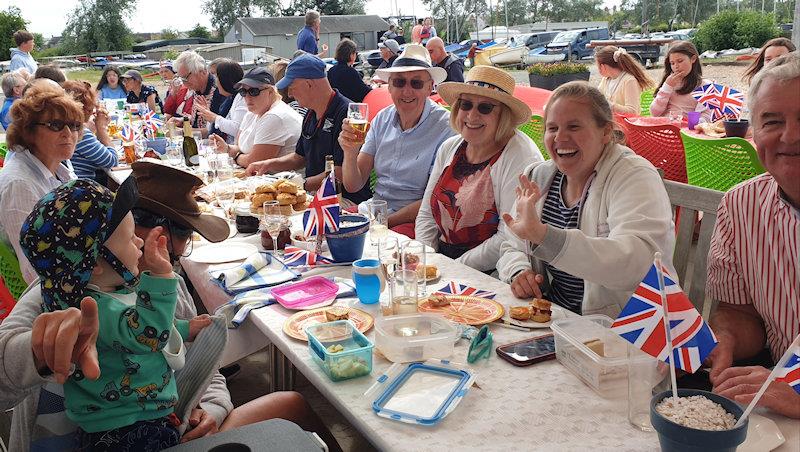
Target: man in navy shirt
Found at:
x=306, y=81
x=307, y=37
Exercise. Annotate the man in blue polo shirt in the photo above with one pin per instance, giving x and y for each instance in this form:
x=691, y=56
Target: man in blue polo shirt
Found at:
x=307, y=37
x=306, y=81
x=403, y=138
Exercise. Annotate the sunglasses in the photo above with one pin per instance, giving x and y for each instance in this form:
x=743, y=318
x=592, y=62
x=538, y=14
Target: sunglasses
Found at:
x=401, y=83
x=58, y=126
x=150, y=220
x=252, y=92
x=484, y=108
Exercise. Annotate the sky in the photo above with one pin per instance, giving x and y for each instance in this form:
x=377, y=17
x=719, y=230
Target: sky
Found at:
x=48, y=17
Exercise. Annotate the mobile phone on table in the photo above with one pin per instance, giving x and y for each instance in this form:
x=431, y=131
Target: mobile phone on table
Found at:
x=529, y=351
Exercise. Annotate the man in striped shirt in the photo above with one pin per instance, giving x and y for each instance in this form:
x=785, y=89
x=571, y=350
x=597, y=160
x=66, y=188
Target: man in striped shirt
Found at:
x=754, y=260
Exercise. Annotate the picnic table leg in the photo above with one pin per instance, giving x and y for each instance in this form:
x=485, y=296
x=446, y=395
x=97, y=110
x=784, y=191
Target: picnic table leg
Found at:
x=273, y=363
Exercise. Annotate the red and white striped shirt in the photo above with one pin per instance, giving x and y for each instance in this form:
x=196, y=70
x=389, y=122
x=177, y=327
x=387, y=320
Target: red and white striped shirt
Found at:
x=754, y=257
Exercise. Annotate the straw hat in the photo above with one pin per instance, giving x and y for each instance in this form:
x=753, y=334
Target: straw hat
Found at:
x=414, y=58
x=488, y=81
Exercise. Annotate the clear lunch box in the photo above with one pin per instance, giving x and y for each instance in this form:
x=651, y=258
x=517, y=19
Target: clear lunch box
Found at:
x=415, y=337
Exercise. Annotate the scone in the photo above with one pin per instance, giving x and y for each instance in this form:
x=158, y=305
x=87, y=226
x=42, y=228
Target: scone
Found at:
x=301, y=196
x=520, y=312
x=540, y=310
x=259, y=199
x=285, y=186
x=286, y=199
x=286, y=210
x=337, y=313
x=300, y=206
x=266, y=188
x=439, y=300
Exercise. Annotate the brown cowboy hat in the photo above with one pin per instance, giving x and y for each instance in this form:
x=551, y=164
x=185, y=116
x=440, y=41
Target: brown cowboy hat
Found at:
x=169, y=191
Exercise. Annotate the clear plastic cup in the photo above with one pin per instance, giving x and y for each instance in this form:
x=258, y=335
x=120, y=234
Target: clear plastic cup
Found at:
x=647, y=376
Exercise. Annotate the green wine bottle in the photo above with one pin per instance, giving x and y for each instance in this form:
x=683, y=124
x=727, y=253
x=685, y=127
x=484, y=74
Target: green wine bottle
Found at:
x=190, y=154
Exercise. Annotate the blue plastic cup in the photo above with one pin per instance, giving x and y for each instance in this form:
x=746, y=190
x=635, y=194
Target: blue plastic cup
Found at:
x=369, y=279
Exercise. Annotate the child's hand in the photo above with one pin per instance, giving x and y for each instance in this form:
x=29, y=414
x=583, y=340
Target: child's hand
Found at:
x=196, y=324
x=156, y=255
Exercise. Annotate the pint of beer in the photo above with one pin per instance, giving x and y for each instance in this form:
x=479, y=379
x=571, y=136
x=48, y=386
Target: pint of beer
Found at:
x=358, y=114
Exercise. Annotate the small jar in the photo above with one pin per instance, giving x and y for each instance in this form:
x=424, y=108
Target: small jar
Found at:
x=246, y=222
x=284, y=238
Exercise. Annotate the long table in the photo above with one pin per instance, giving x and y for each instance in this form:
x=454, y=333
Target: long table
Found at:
x=541, y=407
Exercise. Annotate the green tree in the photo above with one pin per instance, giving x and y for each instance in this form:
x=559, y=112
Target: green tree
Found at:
x=327, y=7
x=733, y=30
x=200, y=31
x=169, y=33
x=753, y=29
x=10, y=21
x=223, y=13
x=98, y=25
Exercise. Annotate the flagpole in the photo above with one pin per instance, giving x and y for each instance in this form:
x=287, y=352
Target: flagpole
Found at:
x=667, y=329
x=781, y=363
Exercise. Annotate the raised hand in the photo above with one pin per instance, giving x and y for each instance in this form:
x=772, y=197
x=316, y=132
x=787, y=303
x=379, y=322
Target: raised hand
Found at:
x=156, y=255
x=527, y=225
x=675, y=79
x=350, y=139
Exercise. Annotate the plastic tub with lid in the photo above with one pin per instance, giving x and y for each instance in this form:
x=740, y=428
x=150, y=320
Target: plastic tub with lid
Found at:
x=340, y=350
x=415, y=337
x=604, y=367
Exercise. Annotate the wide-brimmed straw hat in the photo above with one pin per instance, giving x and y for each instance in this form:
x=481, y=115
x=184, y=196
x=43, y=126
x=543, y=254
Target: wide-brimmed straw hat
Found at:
x=169, y=192
x=488, y=81
x=414, y=58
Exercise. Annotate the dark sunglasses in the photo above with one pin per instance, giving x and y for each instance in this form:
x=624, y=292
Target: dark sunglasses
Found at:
x=252, y=92
x=151, y=220
x=401, y=82
x=484, y=108
x=58, y=126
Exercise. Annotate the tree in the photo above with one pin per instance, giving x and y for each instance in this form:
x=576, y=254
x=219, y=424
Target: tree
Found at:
x=328, y=7
x=98, y=25
x=223, y=13
x=199, y=31
x=10, y=21
x=169, y=33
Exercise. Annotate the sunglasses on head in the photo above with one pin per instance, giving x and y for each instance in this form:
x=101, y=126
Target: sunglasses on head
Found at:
x=252, y=92
x=58, y=126
x=484, y=108
x=401, y=82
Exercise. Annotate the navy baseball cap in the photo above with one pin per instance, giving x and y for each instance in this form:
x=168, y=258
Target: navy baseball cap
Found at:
x=309, y=67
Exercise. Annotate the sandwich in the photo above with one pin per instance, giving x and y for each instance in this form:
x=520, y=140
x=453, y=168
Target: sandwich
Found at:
x=540, y=310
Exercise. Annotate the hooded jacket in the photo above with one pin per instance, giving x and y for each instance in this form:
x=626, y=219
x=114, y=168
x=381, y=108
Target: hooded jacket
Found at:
x=22, y=60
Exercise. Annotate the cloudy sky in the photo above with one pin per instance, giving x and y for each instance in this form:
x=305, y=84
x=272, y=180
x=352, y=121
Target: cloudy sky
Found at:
x=49, y=16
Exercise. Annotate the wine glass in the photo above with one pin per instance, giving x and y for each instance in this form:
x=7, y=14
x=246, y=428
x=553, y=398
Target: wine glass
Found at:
x=358, y=114
x=379, y=220
x=225, y=192
x=273, y=222
x=224, y=173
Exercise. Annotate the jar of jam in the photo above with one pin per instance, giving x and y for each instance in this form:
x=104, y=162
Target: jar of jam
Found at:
x=246, y=222
x=284, y=238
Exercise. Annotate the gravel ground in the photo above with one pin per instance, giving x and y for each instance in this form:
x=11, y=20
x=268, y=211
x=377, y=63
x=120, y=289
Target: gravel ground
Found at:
x=725, y=73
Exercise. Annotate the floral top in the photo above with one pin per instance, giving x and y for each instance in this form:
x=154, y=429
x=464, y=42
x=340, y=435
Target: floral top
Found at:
x=146, y=91
x=463, y=201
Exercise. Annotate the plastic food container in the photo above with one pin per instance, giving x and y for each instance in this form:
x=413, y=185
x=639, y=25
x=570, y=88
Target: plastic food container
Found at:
x=354, y=359
x=607, y=374
x=415, y=337
x=311, y=291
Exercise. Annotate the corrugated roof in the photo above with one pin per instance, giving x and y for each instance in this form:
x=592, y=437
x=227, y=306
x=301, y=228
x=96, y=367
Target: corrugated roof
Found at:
x=267, y=26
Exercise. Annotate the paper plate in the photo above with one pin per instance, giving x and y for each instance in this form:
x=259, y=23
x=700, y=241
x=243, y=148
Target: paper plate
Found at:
x=433, y=278
x=762, y=435
x=218, y=253
x=463, y=309
x=295, y=326
x=557, y=314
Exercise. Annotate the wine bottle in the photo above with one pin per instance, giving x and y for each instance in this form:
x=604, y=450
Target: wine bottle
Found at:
x=190, y=154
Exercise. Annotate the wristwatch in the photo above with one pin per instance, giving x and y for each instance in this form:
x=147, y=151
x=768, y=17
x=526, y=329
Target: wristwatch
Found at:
x=236, y=157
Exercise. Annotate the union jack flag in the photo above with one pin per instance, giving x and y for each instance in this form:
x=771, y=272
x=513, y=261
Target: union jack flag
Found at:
x=455, y=288
x=790, y=372
x=152, y=121
x=128, y=133
x=295, y=257
x=723, y=101
x=641, y=323
x=323, y=210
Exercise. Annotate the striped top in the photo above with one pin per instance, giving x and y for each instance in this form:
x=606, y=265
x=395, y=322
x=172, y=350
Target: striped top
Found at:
x=754, y=258
x=90, y=155
x=565, y=290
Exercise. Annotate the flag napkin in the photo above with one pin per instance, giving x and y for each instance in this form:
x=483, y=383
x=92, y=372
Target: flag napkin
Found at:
x=255, y=272
x=323, y=210
x=641, y=323
x=790, y=372
x=454, y=288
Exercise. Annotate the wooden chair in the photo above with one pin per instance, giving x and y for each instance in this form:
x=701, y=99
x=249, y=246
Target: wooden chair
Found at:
x=691, y=262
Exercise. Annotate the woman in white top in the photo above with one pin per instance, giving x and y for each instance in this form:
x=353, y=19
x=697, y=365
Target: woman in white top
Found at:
x=475, y=173
x=227, y=122
x=623, y=79
x=270, y=128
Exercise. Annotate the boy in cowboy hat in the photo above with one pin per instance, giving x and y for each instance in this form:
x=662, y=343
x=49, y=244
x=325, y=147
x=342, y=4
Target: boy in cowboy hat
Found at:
x=402, y=140
x=80, y=239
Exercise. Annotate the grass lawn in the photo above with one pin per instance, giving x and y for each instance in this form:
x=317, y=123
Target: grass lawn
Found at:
x=88, y=75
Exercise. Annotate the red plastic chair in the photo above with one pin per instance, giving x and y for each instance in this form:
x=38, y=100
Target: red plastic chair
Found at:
x=7, y=301
x=660, y=144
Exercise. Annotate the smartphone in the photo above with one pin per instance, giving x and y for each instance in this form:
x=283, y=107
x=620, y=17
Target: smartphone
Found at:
x=529, y=351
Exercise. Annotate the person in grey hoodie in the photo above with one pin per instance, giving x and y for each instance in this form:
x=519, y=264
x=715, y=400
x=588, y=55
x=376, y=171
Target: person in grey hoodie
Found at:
x=21, y=56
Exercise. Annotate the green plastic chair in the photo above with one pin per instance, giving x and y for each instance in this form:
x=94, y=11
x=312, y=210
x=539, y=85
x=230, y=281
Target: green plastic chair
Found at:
x=535, y=130
x=9, y=270
x=719, y=163
x=645, y=100
x=373, y=178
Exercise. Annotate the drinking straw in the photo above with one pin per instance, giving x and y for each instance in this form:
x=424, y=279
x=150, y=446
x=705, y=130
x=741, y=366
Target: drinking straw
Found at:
x=665, y=310
x=781, y=363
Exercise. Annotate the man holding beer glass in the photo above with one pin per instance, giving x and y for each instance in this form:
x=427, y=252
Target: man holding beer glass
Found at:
x=401, y=142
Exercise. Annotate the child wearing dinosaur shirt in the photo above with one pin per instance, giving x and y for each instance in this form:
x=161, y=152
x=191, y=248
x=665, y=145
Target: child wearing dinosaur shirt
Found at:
x=80, y=239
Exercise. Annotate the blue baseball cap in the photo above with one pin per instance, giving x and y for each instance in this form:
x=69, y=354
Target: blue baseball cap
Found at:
x=309, y=67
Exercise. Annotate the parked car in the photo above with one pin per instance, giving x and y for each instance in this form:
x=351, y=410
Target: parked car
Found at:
x=573, y=43
x=540, y=39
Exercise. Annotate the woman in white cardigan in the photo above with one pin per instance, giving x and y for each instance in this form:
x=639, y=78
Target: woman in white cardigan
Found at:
x=474, y=174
